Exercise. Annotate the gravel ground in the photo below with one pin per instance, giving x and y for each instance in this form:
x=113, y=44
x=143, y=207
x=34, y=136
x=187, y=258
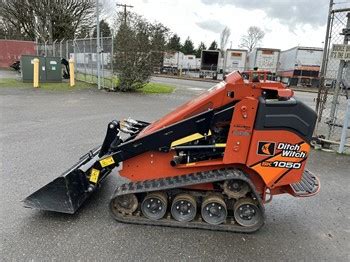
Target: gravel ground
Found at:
x=42, y=133
x=8, y=74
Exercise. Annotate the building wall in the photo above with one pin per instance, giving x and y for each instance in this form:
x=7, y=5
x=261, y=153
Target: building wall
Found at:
x=11, y=51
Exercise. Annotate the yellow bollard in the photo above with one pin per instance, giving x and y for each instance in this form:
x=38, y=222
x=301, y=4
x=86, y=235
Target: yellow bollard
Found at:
x=36, y=72
x=71, y=73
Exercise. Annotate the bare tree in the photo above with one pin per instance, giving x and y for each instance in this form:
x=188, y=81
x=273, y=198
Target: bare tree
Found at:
x=253, y=38
x=47, y=19
x=225, y=35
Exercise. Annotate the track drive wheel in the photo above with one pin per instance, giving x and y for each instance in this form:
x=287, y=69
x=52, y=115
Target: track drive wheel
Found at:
x=247, y=213
x=154, y=205
x=235, y=188
x=125, y=204
x=184, y=208
x=214, y=210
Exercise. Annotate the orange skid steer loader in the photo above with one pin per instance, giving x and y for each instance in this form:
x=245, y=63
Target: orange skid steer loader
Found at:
x=212, y=163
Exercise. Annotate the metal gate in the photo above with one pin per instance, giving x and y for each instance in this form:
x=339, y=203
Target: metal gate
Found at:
x=333, y=102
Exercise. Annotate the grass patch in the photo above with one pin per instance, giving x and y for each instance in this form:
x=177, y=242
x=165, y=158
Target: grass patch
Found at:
x=92, y=79
x=11, y=82
x=150, y=88
x=156, y=88
x=64, y=86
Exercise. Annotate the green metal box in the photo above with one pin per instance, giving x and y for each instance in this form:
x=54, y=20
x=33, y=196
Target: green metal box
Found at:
x=27, y=68
x=50, y=69
x=53, y=69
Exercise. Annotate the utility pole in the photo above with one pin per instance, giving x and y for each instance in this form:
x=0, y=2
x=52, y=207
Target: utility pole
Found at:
x=125, y=13
x=98, y=49
x=49, y=21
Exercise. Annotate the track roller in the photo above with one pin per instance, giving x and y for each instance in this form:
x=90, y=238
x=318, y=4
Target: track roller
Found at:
x=247, y=213
x=184, y=208
x=154, y=206
x=214, y=210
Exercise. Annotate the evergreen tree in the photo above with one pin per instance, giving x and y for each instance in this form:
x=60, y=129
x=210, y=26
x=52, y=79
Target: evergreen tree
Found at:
x=188, y=47
x=199, y=49
x=174, y=43
x=105, y=30
x=213, y=46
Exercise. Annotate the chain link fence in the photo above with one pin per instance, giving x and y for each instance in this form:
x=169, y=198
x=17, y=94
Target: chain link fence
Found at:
x=85, y=58
x=83, y=52
x=333, y=95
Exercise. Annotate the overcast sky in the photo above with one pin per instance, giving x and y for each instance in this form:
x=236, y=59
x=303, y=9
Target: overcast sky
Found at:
x=287, y=23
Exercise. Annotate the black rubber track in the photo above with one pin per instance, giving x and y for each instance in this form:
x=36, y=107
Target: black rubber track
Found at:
x=182, y=181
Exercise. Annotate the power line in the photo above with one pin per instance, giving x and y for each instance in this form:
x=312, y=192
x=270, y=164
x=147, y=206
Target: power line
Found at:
x=125, y=6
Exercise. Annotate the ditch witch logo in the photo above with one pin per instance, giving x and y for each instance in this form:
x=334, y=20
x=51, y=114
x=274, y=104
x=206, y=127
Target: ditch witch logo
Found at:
x=266, y=148
x=288, y=150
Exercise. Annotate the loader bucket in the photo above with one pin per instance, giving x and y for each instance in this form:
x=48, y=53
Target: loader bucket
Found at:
x=66, y=193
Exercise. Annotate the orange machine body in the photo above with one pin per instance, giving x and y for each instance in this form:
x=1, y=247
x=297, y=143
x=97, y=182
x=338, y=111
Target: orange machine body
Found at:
x=273, y=158
x=227, y=151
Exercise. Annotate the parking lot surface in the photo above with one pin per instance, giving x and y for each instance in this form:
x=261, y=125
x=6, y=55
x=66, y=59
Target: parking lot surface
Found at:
x=42, y=133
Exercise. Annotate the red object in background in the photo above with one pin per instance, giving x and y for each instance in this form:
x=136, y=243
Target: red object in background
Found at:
x=12, y=50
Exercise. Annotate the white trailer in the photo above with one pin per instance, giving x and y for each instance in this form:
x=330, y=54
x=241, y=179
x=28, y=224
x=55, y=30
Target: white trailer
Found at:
x=172, y=61
x=198, y=63
x=189, y=63
x=210, y=63
x=235, y=60
x=264, y=59
x=300, y=66
x=90, y=58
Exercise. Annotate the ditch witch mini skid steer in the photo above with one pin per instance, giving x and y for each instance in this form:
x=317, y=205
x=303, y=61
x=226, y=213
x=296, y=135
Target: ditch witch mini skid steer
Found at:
x=211, y=164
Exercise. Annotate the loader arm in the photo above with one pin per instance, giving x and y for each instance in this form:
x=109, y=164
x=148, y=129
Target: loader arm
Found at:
x=66, y=193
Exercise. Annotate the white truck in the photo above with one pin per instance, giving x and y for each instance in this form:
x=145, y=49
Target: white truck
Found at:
x=235, y=60
x=300, y=66
x=265, y=59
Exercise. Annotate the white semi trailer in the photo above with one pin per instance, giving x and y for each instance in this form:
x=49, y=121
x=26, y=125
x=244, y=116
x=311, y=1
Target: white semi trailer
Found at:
x=172, y=62
x=300, y=66
x=235, y=60
x=210, y=64
x=264, y=59
x=190, y=63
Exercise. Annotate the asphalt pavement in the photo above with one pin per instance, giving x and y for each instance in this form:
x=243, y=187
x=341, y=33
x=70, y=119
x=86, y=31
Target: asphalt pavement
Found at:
x=42, y=133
